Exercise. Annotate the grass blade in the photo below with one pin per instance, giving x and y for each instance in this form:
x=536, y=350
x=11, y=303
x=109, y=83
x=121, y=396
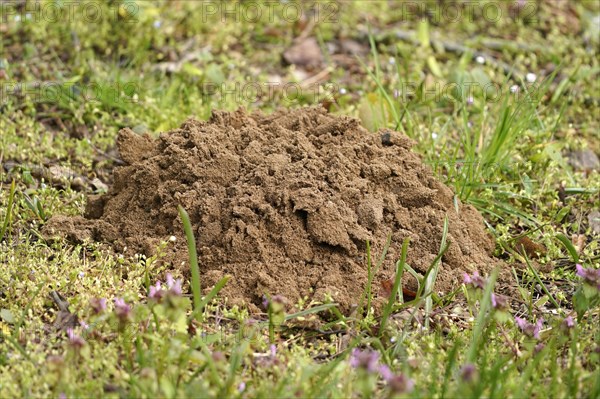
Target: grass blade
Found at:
x=541, y=283
x=432, y=275
x=8, y=216
x=308, y=311
x=569, y=246
x=397, y=281
x=371, y=272
x=195, y=270
x=482, y=318
x=213, y=293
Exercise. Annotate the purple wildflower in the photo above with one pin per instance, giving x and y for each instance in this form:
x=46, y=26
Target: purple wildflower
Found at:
x=589, y=275
x=75, y=340
x=530, y=329
x=385, y=372
x=538, y=348
x=174, y=286
x=273, y=349
x=400, y=383
x=366, y=360
x=468, y=372
x=156, y=291
x=499, y=302
x=84, y=325
x=241, y=387
x=122, y=309
x=568, y=322
x=98, y=305
x=265, y=302
x=474, y=279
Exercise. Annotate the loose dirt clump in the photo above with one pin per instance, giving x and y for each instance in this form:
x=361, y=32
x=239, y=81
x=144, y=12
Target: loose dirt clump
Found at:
x=284, y=203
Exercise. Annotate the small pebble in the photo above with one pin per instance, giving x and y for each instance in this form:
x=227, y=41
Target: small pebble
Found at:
x=531, y=77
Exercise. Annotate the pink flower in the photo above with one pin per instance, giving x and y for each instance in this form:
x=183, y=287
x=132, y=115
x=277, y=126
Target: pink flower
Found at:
x=174, y=286
x=401, y=384
x=568, y=322
x=398, y=383
x=538, y=348
x=75, y=340
x=366, y=360
x=468, y=372
x=475, y=280
x=98, y=305
x=590, y=276
x=529, y=329
x=499, y=302
x=385, y=372
x=156, y=291
x=241, y=387
x=122, y=309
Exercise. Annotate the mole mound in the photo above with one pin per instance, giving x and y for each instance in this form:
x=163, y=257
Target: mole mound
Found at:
x=285, y=204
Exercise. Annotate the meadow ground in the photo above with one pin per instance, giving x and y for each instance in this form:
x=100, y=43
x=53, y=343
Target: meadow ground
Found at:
x=501, y=99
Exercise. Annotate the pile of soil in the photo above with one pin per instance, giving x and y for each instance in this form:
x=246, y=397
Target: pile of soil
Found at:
x=284, y=203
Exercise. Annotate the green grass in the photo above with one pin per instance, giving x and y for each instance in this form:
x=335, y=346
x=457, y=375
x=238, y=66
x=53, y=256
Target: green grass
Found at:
x=152, y=65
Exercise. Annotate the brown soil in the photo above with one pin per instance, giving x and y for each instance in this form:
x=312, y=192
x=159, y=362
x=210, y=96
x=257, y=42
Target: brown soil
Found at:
x=283, y=203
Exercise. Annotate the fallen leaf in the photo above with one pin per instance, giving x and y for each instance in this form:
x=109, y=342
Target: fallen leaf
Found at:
x=388, y=285
x=533, y=250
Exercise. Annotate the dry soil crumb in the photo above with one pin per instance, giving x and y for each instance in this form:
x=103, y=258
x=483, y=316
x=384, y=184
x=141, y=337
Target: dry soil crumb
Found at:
x=283, y=203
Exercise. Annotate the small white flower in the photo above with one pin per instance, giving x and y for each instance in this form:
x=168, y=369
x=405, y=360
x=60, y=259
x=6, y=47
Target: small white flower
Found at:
x=531, y=77
x=480, y=59
x=434, y=135
x=172, y=239
x=470, y=100
x=343, y=91
x=392, y=61
x=81, y=275
x=514, y=89
x=157, y=24
x=17, y=18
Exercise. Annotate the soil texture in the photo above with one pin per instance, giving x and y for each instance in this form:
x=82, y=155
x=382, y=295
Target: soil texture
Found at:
x=284, y=204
